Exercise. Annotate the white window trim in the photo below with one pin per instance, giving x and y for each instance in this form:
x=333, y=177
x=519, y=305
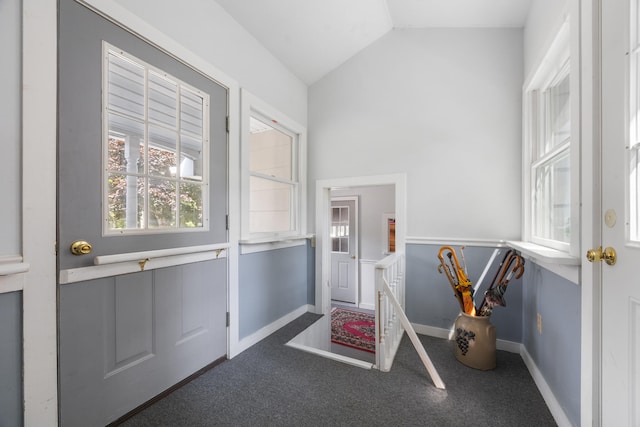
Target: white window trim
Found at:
x=250, y=104
x=563, y=260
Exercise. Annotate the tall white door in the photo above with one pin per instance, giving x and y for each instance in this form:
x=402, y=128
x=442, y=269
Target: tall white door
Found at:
x=344, y=251
x=620, y=284
x=142, y=168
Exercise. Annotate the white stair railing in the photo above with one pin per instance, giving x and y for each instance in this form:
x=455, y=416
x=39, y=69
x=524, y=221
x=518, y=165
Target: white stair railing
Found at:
x=391, y=320
x=389, y=331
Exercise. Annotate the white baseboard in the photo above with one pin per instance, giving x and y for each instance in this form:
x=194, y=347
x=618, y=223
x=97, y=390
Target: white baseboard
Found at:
x=447, y=334
x=548, y=396
x=264, y=332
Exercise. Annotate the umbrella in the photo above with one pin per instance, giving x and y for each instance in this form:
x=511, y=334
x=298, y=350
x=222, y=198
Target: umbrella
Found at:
x=512, y=265
x=458, y=279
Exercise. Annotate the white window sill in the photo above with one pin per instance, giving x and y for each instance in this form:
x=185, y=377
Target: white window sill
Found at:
x=249, y=246
x=558, y=262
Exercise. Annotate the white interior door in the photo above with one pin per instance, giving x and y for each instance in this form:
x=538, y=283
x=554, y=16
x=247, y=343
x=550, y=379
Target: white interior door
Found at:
x=142, y=168
x=620, y=148
x=344, y=251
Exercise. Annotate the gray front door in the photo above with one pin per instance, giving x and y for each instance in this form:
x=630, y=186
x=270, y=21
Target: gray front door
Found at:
x=135, y=176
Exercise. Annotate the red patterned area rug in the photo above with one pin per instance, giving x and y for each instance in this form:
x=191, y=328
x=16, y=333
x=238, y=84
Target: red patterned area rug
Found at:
x=353, y=329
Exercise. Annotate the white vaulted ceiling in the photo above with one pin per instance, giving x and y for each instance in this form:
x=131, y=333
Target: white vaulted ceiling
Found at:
x=312, y=37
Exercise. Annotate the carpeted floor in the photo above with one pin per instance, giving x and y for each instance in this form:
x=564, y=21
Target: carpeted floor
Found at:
x=271, y=384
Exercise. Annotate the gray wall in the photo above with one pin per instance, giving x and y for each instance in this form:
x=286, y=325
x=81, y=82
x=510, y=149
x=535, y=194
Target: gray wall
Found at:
x=556, y=351
x=11, y=359
x=374, y=201
x=272, y=284
x=206, y=29
x=430, y=300
x=442, y=106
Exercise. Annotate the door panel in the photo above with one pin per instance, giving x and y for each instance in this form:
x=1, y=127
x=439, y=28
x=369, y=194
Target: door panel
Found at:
x=80, y=138
x=128, y=320
x=125, y=339
x=620, y=291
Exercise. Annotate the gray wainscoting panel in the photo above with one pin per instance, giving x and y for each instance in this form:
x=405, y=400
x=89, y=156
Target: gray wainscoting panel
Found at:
x=430, y=300
x=272, y=285
x=555, y=350
x=311, y=274
x=129, y=320
x=125, y=339
x=11, y=359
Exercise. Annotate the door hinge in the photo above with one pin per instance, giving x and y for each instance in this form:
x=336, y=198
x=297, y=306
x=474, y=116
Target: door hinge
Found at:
x=228, y=319
x=227, y=221
x=227, y=123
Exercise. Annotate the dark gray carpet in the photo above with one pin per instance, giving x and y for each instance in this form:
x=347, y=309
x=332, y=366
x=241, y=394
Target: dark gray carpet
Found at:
x=274, y=385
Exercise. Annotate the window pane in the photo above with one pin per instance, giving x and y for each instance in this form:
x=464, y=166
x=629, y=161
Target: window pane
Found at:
x=163, y=94
x=552, y=199
x=126, y=202
x=191, y=109
x=340, y=229
x=162, y=151
x=270, y=151
x=126, y=152
x=126, y=87
x=162, y=203
x=191, y=160
x=558, y=114
x=191, y=205
x=123, y=156
x=269, y=206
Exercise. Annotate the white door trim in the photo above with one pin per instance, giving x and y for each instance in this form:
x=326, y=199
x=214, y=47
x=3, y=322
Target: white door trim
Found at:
x=323, y=205
x=39, y=129
x=588, y=46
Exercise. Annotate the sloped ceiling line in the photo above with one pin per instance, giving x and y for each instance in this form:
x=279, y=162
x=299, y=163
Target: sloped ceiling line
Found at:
x=314, y=37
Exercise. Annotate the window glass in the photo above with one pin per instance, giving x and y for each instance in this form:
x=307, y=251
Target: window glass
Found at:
x=272, y=183
x=551, y=173
x=155, y=142
x=340, y=229
x=270, y=205
x=550, y=152
x=273, y=174
x=551, y=199
x=557, y=113
x=270, y=151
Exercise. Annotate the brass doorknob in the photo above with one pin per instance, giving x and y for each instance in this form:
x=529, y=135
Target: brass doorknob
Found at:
x=609, y=255
x=80, y=247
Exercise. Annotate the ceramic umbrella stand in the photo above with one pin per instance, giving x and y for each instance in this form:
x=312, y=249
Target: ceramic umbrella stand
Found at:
x=474, y=335
x=475, y=339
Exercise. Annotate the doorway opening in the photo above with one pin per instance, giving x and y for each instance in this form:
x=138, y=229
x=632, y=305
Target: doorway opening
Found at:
x=379, y=199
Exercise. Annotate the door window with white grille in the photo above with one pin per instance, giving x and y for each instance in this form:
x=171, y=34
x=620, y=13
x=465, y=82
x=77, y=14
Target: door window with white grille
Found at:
x=155, y=148
x=340, y=229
